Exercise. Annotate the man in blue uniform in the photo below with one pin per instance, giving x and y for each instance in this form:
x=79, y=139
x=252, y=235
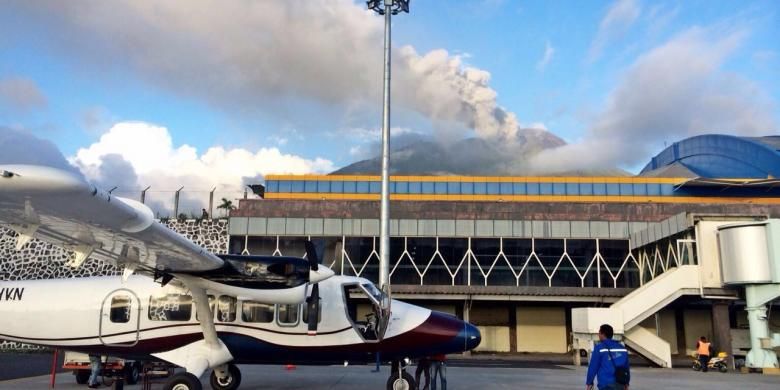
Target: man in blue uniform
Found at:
x=608, y=363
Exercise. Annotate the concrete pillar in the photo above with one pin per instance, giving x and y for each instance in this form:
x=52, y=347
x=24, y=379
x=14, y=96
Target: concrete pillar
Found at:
x=512, y=328
x=721, y=329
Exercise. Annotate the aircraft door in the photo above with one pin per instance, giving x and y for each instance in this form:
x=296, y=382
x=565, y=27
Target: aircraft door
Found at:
x=120, y=319
x=381, y=304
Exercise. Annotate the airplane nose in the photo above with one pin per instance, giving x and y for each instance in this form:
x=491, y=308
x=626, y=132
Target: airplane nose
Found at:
x=472, y=336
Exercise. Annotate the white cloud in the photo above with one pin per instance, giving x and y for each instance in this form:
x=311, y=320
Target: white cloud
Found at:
x=618, y=19
x=674, y=91
x=147, y=152
x=549, y=51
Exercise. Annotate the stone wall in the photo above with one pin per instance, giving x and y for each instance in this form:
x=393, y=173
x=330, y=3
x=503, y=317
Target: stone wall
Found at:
x=39, y=260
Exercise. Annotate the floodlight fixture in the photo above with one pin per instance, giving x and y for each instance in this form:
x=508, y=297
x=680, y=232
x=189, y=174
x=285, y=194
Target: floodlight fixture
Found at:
x=393, y=6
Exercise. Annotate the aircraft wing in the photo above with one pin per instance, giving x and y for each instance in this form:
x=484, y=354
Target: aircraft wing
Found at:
x=61, y=208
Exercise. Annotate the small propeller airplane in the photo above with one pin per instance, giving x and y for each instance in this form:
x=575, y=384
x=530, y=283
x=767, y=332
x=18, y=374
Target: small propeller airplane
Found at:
x=260, y=309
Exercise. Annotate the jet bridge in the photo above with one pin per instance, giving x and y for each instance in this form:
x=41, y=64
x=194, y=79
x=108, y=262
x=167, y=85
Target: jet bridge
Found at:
x=729, y=255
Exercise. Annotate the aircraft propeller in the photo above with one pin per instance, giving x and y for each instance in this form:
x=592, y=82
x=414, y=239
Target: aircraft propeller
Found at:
x=313, y=301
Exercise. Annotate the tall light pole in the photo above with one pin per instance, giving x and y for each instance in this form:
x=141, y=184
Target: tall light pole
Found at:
x=386, y=8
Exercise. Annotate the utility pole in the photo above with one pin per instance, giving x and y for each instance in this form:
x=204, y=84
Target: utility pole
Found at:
x=387, y=8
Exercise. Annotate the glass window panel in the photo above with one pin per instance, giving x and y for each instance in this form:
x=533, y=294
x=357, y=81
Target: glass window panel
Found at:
x=586, y=189
x=287, y=314
x=226, y=309
x=375, y=187
x=518, y=188
x=402, y=187
x=120, y=309
x=170, y=307
x=653, y=189
x=640, y=189
x=599, y=189
x=545, y=188
x=626, y=189
x=480, y=188
x=453, y=188
x=362, y=187
x=440, y=188
x=336, y=187
x=533, y=188
x=467, y=188
x=415, y=187
x=285, y=186
x=493, y=188
x=257, y=312
x=559, y=188
x=572, y=189
x=272, y=186
x=506, y=188
x=310, y=186
x=427, y=187
x=667, y=189
x=323, y=186
x=613, y=189
x=297, y=186
x=350, y=187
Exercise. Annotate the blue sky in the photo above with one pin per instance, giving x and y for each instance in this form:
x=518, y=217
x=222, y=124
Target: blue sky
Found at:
x=560, y=65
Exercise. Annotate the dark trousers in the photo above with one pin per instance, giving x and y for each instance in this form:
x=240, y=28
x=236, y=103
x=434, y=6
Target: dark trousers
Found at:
x=423, y=369
x=704, y=359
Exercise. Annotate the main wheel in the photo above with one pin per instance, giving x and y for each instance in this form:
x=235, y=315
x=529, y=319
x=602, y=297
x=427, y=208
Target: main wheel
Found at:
x=404, y=382
x=183, y=381
x=696, y=366
x=82, y=376
x=231, y=382
x=132, y=374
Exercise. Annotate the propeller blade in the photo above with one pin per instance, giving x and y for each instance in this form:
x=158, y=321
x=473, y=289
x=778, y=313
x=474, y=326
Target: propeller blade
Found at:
x=311, y=255
x=313, y=308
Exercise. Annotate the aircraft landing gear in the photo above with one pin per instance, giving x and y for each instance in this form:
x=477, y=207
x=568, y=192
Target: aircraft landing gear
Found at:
x=183, y=381
x=399, y=378
x=229, y=382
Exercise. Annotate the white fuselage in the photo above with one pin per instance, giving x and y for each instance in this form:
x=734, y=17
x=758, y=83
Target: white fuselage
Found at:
x=77, y=314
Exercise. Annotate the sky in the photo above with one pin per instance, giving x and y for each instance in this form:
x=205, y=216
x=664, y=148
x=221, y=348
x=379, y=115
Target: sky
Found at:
x=207, y=94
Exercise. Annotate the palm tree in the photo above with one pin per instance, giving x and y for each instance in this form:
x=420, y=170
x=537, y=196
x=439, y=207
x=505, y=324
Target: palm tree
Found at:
x=226, y=205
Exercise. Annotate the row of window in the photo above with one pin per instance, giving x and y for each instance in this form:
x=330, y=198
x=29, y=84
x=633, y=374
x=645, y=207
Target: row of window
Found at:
x=178, y=307
x=471, y=188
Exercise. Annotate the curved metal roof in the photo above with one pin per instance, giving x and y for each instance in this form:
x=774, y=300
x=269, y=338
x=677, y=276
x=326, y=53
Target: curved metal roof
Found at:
x=721, y=156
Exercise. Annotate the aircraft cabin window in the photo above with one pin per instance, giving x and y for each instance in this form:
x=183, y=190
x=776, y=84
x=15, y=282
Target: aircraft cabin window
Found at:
x=120, y=309
x=257, y=312
x=226, y=309
x=211, y=307
x=364, y=322
x=287, y=315
x=170, y=307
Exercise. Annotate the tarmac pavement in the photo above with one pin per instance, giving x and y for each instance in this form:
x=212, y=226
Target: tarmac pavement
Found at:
x=491, y=376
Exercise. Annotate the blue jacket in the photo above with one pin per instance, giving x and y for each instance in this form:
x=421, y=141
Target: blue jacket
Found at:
x=600, y=365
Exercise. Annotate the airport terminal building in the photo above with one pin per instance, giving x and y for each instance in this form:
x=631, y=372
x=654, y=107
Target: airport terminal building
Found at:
x=514, y=255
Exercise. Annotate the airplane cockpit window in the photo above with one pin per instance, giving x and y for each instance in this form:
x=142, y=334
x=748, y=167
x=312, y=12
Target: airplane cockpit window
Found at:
x=257, y=312
x=170, y=307
x=362, y=311
x=374, y=291
x=287, y=314
x=226, y=309
x=120, y=309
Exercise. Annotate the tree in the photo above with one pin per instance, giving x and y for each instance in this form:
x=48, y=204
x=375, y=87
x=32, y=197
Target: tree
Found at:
x=226, y=205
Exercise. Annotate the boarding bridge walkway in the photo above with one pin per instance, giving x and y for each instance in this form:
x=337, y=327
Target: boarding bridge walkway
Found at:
x=626, y=314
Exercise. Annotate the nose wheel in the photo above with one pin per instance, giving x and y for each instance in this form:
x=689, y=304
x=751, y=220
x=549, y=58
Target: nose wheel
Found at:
x=230, y=382
x=399, y=378
x=183, y=381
